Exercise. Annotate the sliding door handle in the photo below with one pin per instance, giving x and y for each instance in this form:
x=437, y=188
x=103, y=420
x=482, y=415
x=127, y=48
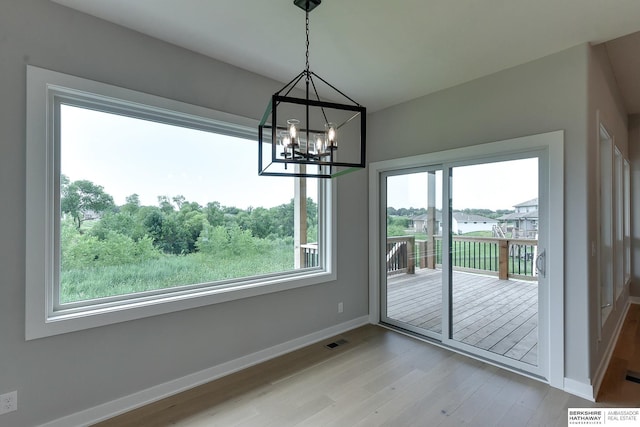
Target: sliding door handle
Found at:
x=541, y=261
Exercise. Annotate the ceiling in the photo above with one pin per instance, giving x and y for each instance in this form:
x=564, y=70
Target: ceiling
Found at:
x=624, y=55
x=379, y=52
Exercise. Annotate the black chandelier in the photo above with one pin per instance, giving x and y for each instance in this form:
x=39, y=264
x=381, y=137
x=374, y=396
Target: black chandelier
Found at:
x=304, y=133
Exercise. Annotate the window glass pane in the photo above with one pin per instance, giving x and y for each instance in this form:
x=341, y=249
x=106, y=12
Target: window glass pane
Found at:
x=627, y=221
x=606, y=264
x=147, y=205
x=619, y=222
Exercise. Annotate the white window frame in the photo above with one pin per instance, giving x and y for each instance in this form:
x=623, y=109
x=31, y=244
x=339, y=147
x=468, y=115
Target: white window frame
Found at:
x=47, y=88
x=605, y=237
x=614, y=223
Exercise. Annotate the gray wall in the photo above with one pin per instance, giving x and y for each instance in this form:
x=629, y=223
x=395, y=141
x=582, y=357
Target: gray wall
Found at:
x=544, y=95
x=605, y=106
x=64, y=374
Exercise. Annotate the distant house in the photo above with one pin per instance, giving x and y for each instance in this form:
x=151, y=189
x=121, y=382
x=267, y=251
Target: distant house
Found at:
x=461, y=223
x=419, y=223
x=466, y=223
x=524, y=221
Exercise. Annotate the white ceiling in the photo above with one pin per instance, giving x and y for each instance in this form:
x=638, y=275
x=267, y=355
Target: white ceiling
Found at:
x=379, y=52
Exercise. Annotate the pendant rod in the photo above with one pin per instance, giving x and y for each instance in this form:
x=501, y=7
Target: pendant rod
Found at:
x=308, y=75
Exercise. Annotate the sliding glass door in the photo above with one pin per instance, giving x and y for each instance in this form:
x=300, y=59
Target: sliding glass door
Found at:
x=412, y=230
x=494, y=246
x=463, y=256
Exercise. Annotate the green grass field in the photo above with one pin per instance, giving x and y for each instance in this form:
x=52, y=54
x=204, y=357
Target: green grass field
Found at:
x=168, y=271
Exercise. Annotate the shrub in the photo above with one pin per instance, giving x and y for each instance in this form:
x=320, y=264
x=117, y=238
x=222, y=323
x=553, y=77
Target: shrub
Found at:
x=86, y=250
x=220, y=240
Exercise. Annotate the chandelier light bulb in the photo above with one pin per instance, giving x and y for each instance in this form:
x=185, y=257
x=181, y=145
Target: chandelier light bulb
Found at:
x=319, y=144
x=293, y=129
x=331, y=135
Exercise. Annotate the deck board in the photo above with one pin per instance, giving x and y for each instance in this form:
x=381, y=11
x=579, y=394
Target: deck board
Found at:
x=500, y=316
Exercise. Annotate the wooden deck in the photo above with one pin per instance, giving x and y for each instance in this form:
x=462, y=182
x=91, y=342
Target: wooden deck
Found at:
x=500, y=316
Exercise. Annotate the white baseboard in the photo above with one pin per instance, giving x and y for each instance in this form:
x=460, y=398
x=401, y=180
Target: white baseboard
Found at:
x=579, y=389
x=161, y=391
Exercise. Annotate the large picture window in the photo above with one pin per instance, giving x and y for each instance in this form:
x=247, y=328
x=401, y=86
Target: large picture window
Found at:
x=142, y=204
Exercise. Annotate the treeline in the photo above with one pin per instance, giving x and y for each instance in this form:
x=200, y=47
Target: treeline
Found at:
x=487, y=213
x=96, y=231
x=409, y=212
x=175, y=225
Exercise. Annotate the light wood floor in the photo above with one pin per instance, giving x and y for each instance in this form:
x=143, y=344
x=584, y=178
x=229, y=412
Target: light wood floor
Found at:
x=500, y=316
x=378, y=378
x=615, y=388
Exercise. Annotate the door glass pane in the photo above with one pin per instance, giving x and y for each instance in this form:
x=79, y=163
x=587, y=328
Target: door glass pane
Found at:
x=494, y=244
x=412, y=255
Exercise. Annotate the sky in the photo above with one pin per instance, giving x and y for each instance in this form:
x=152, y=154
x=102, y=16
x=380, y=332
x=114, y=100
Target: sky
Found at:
x=493, y=186
x=127, y=155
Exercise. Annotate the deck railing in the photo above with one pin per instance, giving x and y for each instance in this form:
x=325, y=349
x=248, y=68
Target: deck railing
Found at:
x=401, y=256
x=505, y=258
x=310, y=255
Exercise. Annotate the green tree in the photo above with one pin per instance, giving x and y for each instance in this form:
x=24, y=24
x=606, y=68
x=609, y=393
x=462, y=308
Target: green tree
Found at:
x=165, y=204
x=152, y=219
x=179, y=200
x=82, y=198
x=225, y=241
x=132, y=204
x=119, y=222
x=396, y=226
x=215, y=213
x=261, y=223
x=173, y=231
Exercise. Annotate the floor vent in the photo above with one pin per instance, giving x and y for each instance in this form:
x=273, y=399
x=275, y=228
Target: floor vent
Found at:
x=336, y=343
x=633, y=377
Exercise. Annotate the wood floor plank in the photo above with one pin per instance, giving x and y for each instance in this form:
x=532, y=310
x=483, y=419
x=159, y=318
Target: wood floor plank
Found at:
x=479, y=401
x=379, y=377
x=615, y=389
x=438, y=405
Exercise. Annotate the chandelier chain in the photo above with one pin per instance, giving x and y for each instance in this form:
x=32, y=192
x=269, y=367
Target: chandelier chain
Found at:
x=307, y=31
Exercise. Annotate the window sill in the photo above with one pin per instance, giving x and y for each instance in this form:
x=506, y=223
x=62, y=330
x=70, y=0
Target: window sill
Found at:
x=70, y=320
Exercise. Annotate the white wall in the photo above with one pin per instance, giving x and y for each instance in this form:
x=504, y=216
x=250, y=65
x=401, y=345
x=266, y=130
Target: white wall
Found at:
x=65, y=374
x=544, y=95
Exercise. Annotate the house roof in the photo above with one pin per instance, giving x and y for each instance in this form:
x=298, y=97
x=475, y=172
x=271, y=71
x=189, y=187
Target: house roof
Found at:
x=532, y=202
x=519, y=215
x=463, y=217
x=424, y=217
